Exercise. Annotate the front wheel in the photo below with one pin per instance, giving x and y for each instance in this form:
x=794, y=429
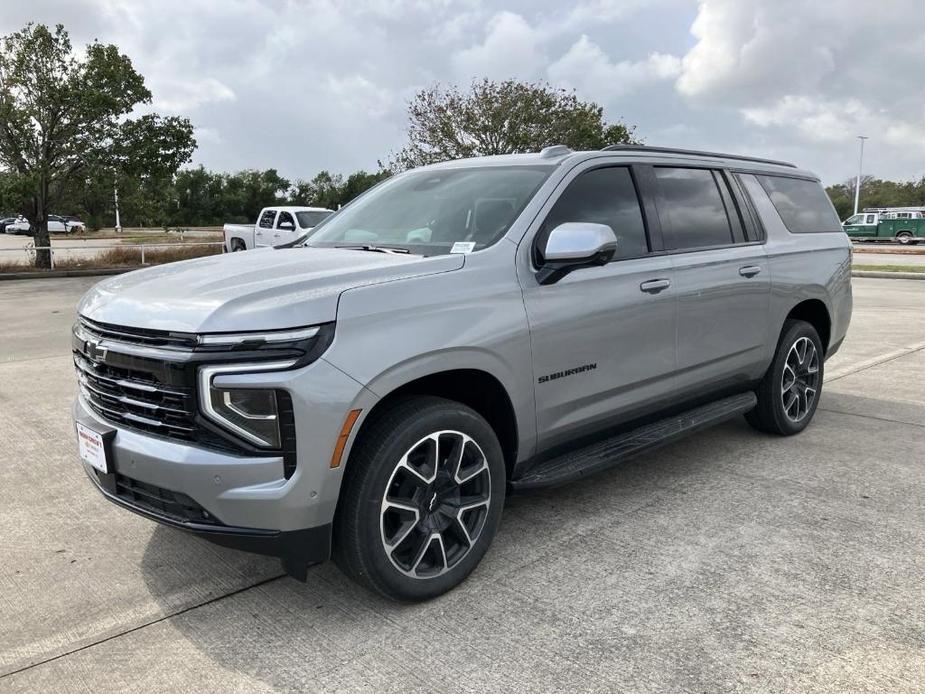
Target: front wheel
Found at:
x=790, y=390
x=421, y=499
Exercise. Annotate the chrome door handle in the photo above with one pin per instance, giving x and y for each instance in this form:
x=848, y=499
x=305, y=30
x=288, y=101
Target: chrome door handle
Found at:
x=749, y=270
x=654, y=286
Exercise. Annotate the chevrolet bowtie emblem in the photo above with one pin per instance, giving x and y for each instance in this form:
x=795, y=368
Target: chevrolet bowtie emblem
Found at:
x=94, y=351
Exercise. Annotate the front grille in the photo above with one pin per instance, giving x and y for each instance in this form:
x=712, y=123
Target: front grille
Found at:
x=136, y=400
x=138, y=336
x=162, y=502
x=145, y=380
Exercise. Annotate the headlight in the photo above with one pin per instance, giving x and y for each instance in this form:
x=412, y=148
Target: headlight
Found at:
x=251, y=413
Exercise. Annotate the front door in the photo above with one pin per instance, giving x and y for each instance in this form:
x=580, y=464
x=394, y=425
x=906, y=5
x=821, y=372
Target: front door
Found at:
x=861, y=225
x=263, y=232
x=285, y=229
x=603, y=338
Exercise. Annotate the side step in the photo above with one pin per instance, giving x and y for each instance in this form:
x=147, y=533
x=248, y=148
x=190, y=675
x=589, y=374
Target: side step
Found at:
x=610, y=452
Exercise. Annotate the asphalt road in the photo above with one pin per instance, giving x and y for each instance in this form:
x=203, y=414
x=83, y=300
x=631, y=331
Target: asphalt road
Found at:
x=732, y=561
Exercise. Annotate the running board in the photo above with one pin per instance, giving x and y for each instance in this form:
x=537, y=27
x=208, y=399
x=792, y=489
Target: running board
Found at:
x=610, y=452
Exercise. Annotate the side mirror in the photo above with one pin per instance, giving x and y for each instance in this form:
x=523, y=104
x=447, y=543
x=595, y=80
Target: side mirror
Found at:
x=575, y=245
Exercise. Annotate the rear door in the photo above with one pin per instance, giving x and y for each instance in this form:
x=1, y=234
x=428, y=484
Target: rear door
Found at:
x=263, y=232
x=603, y=337
x=721, y=278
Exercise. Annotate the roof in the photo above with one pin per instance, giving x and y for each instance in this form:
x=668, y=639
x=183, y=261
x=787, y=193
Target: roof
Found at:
x=298, y=208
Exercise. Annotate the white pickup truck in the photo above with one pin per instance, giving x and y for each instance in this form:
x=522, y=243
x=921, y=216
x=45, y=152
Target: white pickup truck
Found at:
x=275, y=226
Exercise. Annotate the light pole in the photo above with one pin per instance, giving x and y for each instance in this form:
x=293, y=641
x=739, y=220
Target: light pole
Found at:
x=857, y=187
x=115, y=195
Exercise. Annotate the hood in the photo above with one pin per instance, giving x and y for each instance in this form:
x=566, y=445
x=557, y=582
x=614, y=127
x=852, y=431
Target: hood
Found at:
x=254, y=290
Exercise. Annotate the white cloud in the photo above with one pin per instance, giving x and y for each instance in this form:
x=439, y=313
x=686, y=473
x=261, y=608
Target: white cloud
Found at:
x=834, y=121
x=589, y=70
x=808, y=76
x=188, y=95
x=511, y=49
x=747, y=48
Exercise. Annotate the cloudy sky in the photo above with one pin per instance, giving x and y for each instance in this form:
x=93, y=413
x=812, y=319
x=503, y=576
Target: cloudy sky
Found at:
x=302, y=85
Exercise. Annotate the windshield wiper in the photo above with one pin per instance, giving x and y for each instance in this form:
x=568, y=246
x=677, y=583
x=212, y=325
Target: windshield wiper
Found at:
x=376, y=249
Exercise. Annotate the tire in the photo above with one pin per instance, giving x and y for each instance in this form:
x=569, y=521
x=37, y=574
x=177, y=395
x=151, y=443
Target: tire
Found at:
x=400, y=494
x=905, y=237
x=796, y=371
x=237, y=245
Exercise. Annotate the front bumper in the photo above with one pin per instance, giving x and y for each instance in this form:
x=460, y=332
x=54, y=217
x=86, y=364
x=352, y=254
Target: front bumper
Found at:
x=297, y=549
x=242, y=501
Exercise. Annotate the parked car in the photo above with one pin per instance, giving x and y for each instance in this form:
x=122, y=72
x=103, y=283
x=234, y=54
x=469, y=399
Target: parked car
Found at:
x=73, y=223
x=56, y=225
x=903, y=225
x=460, y=331
x=275, y=226
x=7, y=221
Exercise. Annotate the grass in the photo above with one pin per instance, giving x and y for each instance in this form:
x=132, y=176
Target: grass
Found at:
x=122, y=257
x=890, y=268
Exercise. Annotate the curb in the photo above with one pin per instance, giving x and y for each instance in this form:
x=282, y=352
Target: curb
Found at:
x=889, y=275
x=51, y=274
x=888, y=250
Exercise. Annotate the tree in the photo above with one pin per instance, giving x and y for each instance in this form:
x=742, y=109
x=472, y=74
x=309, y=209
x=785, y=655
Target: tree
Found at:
x=331, y=190
x=64, y=118
x=876, y=192
x=502, y=118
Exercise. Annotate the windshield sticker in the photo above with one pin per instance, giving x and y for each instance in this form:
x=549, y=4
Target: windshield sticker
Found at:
x=463, y=247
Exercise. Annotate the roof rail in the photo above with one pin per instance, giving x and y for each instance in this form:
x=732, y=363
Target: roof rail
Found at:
x=672, y=150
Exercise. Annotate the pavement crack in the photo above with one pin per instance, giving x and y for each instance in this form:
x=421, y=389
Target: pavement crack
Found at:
x=871, y=416
x=163, y=618
x=877, y=361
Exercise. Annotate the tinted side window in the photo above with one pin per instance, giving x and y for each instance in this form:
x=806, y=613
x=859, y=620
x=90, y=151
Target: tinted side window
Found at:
x=802, y=204
x=285, y=218
x=691, y=206
x=603, y=196
x=266, y=219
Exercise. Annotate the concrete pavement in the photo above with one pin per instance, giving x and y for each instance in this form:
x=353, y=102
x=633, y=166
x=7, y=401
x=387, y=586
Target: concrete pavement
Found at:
x=732, y=561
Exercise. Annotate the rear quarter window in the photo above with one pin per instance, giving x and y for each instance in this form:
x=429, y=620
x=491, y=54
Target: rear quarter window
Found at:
x=802, y=204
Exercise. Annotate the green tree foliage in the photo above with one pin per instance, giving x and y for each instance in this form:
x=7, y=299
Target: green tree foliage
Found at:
x=332, y=190
x=877, y=193
x=66, y=130
x=197, y=197
x=502, y=118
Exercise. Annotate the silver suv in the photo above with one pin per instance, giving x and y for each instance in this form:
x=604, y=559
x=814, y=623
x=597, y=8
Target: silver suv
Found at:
x=459, y=332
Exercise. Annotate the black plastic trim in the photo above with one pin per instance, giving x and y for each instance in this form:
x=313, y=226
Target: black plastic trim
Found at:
x=298, y=549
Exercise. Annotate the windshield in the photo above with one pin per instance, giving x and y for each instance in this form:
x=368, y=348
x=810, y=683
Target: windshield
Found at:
x=427, y=212
x=312, y=218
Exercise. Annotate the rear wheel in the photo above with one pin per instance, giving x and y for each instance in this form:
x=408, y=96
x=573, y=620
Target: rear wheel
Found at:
x=905, y=237
x=789, y=392
x=422, y=499
x=237, y=245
